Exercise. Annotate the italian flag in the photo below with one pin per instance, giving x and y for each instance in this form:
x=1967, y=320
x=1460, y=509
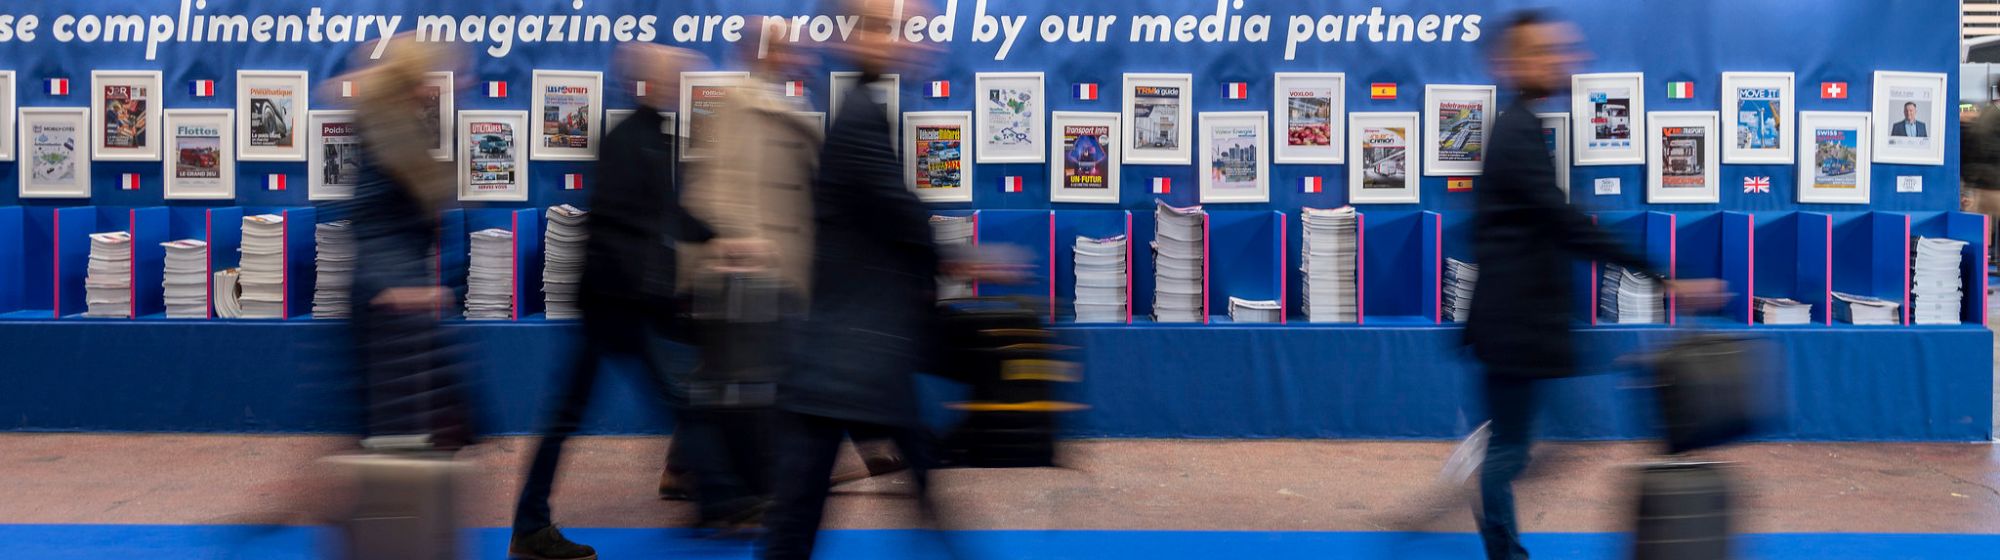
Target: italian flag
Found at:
x=1680, y=90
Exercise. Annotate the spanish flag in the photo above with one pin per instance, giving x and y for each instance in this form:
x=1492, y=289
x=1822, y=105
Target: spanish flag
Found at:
x=1382, y=90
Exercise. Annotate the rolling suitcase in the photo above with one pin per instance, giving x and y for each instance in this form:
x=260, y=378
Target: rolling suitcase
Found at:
x=403, y=506
x=1683, y=512
x=1705, y=383
x=1015, y=370
x=738, y=323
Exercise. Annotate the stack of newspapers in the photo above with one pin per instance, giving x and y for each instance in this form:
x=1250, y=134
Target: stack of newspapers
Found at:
x=1783, y=311
x=1627, y=296
x=1935, y=282
x=563, y=249
x=262, y=271
x=1254, y=310
x=1327, y=258
x=1459, y=279
x=953, y=235
x=228, y=293
x=1179, y=247
x=1101, y=281
x=334, y=259
x=1863, y=310
x=107, y=284
x=186, y=279
x=489, y=283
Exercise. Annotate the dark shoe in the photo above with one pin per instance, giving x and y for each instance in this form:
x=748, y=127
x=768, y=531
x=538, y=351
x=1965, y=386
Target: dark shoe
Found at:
x=873, y=466
x=675, y=486
x=548, y=544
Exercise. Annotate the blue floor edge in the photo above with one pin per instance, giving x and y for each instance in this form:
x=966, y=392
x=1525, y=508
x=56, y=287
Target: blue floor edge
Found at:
x=231, y=542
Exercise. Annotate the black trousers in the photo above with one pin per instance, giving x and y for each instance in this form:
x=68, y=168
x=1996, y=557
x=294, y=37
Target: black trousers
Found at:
x=1510, y=404
x=808, y=446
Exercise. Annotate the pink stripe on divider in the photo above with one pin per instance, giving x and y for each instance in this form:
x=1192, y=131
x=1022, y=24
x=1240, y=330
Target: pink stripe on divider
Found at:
x=285, y=267
x=1673, y=263
x=55, y=265
x=975, y=244
x=1593, y=283
x=132, y=266
x=1906, y=269
x=1750, y=298
x=1052, y=266
x=1204, y=266
x=1128, y=267
x=208, y=264
x=1437, y=274
x=1360, y=267
x=514, y=283
x=1828, y=298
x=1284, y=287
x=1985, y=253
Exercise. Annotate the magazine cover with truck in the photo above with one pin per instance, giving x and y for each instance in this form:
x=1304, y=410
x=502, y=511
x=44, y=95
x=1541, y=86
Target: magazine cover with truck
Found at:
x=199, y=163
x=492, y=164
x=1834, y=150
x=1607, y=114
x=1379, y=148
x=934, y=155
x=1683, y=146
x=568, y=107
x=1457, y=118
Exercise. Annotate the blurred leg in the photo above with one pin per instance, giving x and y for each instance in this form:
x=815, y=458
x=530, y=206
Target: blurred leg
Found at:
x=1511, y=404
x=807, y=448
x=531, y=513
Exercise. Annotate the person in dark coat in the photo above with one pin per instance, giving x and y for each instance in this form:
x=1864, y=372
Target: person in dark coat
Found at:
x=627, y=290
x=1526, y=238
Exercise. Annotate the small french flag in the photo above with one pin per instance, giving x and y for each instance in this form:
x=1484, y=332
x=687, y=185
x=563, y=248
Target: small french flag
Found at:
x=202, y=88
x=274, y=182
x=129, y=182
x=496, y=89
x=940, y=89
x=1312, y=184
x=57, y=86
x=1162, y=185
x=1236, y=90
x=795, y=88
x=572, y=181
x=1086, y=92
x=1011, y=183
x=347, y=88
x=639, y=88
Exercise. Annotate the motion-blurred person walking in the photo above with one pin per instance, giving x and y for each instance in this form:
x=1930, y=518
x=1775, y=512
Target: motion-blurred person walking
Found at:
x=1979, y=161
x=1525, y=239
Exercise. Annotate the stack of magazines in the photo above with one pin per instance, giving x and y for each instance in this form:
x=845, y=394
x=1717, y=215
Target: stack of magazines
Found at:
x=1935, y=282
x=1101, y=282
x=334, y=259
x=1459, y=278
x=1327, y=258
x=262, y=273
x=952, y=234
x=563, y=247
x=489, y=283
x=1626, y=296
x=107, y=284
x=1864, y=310
x=228, y=294
x=1783, y=311
x=1254, y=311
x=1179, y=244
x=186, y=279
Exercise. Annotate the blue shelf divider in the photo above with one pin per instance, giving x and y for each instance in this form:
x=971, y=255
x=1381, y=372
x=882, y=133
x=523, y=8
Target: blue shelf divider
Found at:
x=1654, y=234
x=453, y=244
x=1791, y=253
x=300, y=253
x=149, y=227
x=72, y=228
x=13, y=259
x=1031, y=230
x=1970, y=228
x=1246, y=253
x=1071, y=224
x=1871, y=255
x=1401, y=259
x=1718, y=245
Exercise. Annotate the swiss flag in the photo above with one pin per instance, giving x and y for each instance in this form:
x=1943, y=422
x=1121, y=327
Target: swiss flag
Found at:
x=1833, y=90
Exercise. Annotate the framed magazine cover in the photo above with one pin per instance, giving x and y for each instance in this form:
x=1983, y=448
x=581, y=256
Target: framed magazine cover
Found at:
x=1157, y=110
x=199, y=163
x=569, y=121
x=127, y=104
x=1686, y=169
x=1311, y=108
x=333, y=159
x=704, y=96
x=889, y=87
x=1758, y=108
x=1009, y=111
x=1235, y=154
x=934, y=160
x=1910, y=117
x=439, y=93
x=492, y=163
x=1457, y=118
x=55, y=152
x=1083, y=157
x=814, y=120
x=1834, y=157
x=1555, y=137
x=1378, y=147
x=270, y=111
x=7, y=101
x=1607, y=112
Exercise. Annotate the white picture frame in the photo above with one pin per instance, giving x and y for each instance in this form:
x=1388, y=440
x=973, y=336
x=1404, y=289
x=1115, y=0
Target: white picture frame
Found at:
x=1897, y=142
x=1683, y=173
x=475, y=149
x=1830, y=188
x=446, y=108
x=199, y=164
x=1555, y=136
x=1372, y=176
x=559, y=139
x=1467, y=154
x=1612, y=148
x=8, y=98
x=1010, y=109
x=1158, y=138
x=714, y=88
x=917, y=129
x=889, y=86
x=1758, y=131
x=814, y=120
x=137, y=137
x=1235, y=144
x=1061, y=164
x=1302, y=134
x=332, y=165
x=56, y=165
x=271, y=106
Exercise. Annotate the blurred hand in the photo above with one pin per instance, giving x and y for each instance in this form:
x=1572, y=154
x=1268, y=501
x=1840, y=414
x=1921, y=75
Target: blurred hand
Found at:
x=742, y=255
x=1699, y=294
x=991, y=273
x=411, y=299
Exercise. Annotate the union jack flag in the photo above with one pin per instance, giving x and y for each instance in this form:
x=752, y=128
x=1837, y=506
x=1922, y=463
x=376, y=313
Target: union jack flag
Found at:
x=1756, y=184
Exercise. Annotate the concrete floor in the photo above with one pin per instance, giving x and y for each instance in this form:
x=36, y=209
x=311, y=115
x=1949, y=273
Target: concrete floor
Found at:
x=1148, y=484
